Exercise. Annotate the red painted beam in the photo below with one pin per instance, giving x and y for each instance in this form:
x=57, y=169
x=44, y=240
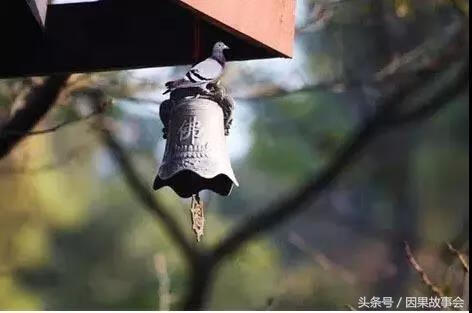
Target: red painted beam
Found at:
x=270, y=23
x=124, y=34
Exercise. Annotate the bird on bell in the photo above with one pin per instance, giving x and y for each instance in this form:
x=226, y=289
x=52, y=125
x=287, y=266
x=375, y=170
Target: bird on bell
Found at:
x=203, y=73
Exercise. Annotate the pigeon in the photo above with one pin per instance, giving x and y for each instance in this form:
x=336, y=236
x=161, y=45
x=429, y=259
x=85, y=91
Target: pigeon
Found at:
x=207, y=71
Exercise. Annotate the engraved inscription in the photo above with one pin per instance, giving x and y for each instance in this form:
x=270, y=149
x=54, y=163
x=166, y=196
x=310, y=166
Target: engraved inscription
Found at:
x=191, y=129
x=187, y=147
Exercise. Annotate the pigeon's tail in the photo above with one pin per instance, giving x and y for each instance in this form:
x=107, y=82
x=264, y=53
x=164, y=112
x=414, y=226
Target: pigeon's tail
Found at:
x=173, y=85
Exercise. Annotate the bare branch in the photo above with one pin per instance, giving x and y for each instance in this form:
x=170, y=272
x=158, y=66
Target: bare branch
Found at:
x=160, y=265
x=39, y=102
x=435, y=103
x=284, y=209
x=273, y=92
x=320, y=258
x=145, y=196
x=424, y=277
x=139, y=100
x=54, y=128
x=421, y=61
x=460, y=256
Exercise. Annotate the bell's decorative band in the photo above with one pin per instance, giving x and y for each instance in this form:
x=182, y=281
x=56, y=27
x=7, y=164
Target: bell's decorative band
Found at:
x=195, y=157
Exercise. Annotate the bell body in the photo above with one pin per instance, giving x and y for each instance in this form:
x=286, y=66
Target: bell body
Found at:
x=196, y=157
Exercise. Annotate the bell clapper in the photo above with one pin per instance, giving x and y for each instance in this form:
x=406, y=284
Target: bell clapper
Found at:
x=198, y=216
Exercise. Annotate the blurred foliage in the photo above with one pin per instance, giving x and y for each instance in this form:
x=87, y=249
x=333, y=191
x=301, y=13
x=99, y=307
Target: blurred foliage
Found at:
x=73, y=237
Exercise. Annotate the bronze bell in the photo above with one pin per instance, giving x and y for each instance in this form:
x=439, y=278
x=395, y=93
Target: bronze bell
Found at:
x=196, y=157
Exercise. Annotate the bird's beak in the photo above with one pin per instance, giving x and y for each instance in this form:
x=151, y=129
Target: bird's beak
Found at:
x=226, y=47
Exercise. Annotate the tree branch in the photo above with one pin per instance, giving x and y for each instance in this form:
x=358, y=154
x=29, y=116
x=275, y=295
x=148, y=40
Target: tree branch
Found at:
x=424, y=277
x=164, y=296
x=436, y=102
x=284, y=209
x=460, y=256
x=293, y=205
x=145, y=196
x=38, y=103
x=54, y=128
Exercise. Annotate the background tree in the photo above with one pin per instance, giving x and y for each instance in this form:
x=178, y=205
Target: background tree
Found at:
x=365, y=74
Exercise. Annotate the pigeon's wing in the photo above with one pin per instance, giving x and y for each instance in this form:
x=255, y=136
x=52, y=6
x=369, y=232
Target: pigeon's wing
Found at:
x=206, y=71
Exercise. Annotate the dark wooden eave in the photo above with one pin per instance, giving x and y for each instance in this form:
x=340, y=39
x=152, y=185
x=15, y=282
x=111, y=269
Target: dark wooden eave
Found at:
x=110, y=35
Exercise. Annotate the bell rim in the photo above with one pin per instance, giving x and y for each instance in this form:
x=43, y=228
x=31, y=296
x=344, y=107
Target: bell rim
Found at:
x=206, y=176
x=170, y=182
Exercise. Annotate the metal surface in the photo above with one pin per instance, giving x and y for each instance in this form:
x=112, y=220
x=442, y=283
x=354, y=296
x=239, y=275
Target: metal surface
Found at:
x=120, y=34
x=266, y=22
x=195, y=156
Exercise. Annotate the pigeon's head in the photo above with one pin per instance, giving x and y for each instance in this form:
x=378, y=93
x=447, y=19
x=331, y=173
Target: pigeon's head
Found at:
x=219, y=47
